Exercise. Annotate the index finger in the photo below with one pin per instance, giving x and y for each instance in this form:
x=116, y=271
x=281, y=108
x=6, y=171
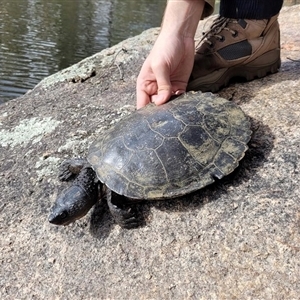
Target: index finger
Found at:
x=143, y=98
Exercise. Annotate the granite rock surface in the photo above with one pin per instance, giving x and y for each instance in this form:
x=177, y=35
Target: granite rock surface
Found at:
x=236, y=239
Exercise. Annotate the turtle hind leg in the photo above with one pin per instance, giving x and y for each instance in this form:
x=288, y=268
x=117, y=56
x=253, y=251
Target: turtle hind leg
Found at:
x=125, y=215
x=71, y=167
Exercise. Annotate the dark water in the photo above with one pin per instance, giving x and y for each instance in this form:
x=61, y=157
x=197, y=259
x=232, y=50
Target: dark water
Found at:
x=41, y=37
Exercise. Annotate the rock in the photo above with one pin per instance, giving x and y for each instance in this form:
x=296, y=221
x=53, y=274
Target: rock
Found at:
x=238, y=238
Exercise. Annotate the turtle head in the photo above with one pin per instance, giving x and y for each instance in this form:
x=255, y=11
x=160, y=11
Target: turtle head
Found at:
x=72, y=204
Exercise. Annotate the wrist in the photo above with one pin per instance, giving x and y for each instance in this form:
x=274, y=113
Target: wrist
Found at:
x=181, y=17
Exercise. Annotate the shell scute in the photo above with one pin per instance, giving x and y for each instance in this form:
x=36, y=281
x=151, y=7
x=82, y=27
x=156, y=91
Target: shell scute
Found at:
x=170, y=150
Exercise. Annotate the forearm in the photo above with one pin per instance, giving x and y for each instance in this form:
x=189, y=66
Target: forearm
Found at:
x=182, y=16
x=167, y=69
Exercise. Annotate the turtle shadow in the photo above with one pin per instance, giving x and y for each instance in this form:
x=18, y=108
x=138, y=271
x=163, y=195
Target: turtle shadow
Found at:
x=102, y=222
x=260, y=146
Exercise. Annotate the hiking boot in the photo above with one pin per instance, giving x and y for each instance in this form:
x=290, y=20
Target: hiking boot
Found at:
x=235, y=48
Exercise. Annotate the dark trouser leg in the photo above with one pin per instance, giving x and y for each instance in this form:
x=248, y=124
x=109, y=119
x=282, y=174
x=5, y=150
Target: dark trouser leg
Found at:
x=250, y=9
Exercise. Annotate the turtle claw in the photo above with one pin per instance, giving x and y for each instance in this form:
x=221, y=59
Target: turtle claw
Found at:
x=64, y=174
x=131, y=225
x=125, y=217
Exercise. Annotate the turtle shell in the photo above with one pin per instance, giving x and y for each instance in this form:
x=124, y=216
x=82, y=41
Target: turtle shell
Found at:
x=170, y=150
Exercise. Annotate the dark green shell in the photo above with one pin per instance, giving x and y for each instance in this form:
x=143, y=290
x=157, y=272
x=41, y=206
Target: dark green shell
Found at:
x=170, y=150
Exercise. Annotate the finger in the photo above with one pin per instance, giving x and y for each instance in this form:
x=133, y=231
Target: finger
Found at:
x=179, y=87
x=142, y=98
x=164, y=86
x=144, y=86
x=179, y=92
x=162, y=97
x=143, y=92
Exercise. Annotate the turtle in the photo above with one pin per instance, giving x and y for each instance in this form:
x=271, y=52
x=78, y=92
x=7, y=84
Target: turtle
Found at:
x=155, y=153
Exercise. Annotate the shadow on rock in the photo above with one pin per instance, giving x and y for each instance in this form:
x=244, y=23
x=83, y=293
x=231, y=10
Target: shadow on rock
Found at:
x=102, y=222
x=260, y=146
x=241, y=91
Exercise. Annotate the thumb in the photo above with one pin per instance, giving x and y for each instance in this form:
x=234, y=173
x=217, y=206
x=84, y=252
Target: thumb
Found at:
x=164, y=87
x=163, y=95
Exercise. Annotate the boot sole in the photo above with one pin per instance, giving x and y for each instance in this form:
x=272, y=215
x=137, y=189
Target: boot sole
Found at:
x=268, y=63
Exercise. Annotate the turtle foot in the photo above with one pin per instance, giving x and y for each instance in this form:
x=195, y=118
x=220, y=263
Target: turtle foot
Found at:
x=71, y=167
x=126, y=218
x=124, y=215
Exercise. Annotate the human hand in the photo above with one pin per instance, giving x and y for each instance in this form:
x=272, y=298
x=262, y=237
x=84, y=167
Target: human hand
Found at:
x=166, y=70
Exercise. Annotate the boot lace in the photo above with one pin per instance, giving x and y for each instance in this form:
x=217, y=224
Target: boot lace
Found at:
x=219, y=24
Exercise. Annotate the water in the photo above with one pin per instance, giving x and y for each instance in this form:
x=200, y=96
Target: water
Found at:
x=41, y=37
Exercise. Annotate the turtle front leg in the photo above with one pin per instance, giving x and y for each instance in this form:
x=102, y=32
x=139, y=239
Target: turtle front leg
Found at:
x=124, y=215
x=71, y=167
